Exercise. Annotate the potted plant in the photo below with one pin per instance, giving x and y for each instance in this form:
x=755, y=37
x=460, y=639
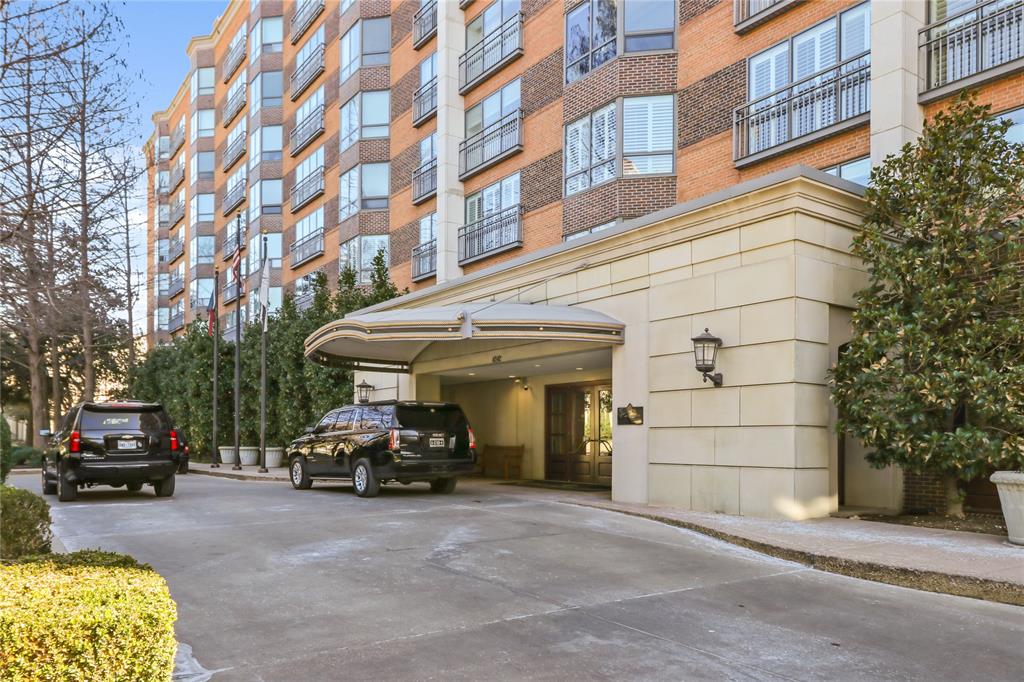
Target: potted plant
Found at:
x=1010, y=485
x=274, y=456
x=249, y=455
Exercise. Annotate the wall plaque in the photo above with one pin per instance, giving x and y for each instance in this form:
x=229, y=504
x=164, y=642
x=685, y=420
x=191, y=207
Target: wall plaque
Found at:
x=631, y=415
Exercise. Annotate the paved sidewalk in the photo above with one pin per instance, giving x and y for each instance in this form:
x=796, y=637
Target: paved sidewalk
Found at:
x=953, y=562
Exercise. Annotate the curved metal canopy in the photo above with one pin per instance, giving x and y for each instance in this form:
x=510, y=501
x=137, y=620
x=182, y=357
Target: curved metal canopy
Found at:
x=389, y=341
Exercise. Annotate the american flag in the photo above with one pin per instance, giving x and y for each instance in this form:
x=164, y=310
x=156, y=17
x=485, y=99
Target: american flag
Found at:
x=236, y=268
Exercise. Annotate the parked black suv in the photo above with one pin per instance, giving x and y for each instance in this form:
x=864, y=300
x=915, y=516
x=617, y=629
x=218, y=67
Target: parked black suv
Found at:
x=125, y=443
x=374, y=443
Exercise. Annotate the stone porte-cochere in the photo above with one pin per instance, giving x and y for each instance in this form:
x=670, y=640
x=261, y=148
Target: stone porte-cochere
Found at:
x=766, y=266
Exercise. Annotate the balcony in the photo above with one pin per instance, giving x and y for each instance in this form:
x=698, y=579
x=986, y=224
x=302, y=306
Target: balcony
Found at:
x=231, y=62
x=984, y=42
x=424, y=102
x=307, y=72
x=232, y=107
x=307, y=189
x=177, y=140
x=233, y=197
x=501, y=46
x=233, y=241
x=493, y=234
x=492, y=144
x=303, y=16
x=424, y=182
x=229, y=292
x=307, y=130
x=177, y=212
x=424, y=24
x=233, y=152
x=424, y=260
x=746, y=14
x=309, y=246
x=176, y=322
x=175, y=249
x=176, y=176
x=175, y=285
x=304, y=299
x=822, y=104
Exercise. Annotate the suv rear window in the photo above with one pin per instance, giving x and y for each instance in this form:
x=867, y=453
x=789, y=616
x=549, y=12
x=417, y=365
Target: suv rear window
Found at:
x=128, y=419
x=440, y=417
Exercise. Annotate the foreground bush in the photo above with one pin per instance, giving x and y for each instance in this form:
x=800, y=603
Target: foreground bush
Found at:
x=25, y=527
x=85, y=616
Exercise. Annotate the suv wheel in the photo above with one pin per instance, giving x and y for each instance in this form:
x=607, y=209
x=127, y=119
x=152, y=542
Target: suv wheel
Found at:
x=49, y=487
x=66, y=490
x=363, y=480
x=164, y=487
x=298, y=474
x=443, y=486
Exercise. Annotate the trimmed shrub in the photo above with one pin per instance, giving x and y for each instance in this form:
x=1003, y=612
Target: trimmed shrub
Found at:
x=26, y=523
x=85, y=616
x=26, y=455
x=6, y=453
x=96, y=558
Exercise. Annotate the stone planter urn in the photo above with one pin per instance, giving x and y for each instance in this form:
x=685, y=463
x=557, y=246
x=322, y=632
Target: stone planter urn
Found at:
x=274, y=456
x=1010, y=485
x=227, y=454
x=250, y=456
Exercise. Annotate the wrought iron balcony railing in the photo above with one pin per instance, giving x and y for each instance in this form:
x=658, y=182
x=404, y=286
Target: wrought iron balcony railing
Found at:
x=176, y=322
x=307, y=247
x=498, y=232
x=306, y=72
x=424, y=260
x=233, y=197
x=177, y=212
x=175, y=248
x=175, y=285
x=177, y=139
x=232, y=61
x=234, y=239
x=306, y=130
x=499, y=47
x=303, y=16
x=424, y=102
x=177, y=174
x=308, y=188
x=424, y=182
x=492, y=144
x=807, y=109
x=232, y=107
x=229, y=291
x=424, y=24
x=981, y=39
x=233, y=152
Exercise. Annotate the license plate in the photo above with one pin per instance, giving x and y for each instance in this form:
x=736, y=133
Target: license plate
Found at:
x=127, y=444
x=437, y=442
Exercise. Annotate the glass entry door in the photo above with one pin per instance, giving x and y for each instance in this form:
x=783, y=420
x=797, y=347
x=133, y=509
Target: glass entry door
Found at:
x=578, y=434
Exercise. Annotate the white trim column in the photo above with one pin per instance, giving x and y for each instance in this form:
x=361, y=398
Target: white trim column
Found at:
x=896, y=117
x=451, y=43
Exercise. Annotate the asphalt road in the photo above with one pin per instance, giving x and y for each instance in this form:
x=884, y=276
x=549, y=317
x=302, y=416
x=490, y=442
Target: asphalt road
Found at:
x=495, y=583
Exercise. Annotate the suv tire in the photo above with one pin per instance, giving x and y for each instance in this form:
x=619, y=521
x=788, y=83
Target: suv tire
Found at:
x=164, y=487
x=443, y=486
x=298, y=475
x=364, y=482
x=66, y=490
x=133, y=487
x=49, y=487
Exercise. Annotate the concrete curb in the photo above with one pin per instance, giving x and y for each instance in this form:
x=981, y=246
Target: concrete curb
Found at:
x=238, y=476
x=930, y=581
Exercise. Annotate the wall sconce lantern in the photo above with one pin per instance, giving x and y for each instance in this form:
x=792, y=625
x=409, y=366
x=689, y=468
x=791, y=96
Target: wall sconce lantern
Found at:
x=705, y=352
x=363, y=391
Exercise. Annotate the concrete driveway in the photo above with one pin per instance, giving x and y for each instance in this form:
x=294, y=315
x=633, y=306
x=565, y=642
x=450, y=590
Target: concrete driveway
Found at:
x=499, y=583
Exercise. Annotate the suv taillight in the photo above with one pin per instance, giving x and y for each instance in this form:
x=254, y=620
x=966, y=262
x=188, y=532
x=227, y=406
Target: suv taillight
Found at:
x=394, y=442
x=472, y=438
x=75, y=444
x=174, y=440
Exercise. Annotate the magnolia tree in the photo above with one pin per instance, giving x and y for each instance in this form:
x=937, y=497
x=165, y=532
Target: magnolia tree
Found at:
x=933, y=378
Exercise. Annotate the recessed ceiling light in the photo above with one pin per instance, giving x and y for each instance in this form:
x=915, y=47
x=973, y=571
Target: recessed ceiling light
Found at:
x=536, y=365
x=472, y=374
x=511, y=376
x=579, y=369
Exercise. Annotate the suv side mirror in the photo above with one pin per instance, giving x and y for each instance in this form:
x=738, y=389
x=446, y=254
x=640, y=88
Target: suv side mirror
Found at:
x=45, y=433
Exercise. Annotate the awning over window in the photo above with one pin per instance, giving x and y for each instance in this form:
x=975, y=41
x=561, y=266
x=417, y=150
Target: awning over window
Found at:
x=391, y=340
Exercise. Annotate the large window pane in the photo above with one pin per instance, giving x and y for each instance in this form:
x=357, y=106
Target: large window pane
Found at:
x=376, y=113
x=647, y=135
x=649, y=24
x=375, y=185
x=376, y=40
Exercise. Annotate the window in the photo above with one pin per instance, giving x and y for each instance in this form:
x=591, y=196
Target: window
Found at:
x=647, y=135
x=375, y=185
x=858, y=170
x=345, y=4
x=266, y=36
x=358, y=254
x=254, y=256
x=201, y=249
x=428, y=148
x=164, y=181
x=310, y=165
x=1016, y=132
x=349, y=52
x=162, y=283
x=252, y=306
x=492, y=109
x=163, y=318
x=590, y=147
x=203, y=163
x=428, y=228
x=648, y=24
x=310, y=47
x=311, y=224
x=311, y=104
x=265, y=144
x=348, y=193
x=202, y=124
x=201, y=82
x=200, y=209
x=492, y=200
x=199, y=291
x=236, y=180
x=237, y=86
x=428, y=69
x=164, y=146
x=264, y=198
x=266, y=90
x=368, y=43
x=589, y=37
x=366, y=115
x=163, y=213
x=489, y=21
x=237, y=39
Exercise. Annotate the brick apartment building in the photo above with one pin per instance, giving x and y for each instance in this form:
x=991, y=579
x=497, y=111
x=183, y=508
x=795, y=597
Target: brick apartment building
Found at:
x=463, y=135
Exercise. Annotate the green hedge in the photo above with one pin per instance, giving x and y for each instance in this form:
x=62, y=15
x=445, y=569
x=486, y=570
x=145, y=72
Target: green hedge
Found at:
x=6, y=451
x=26, y=523
x=85, y=616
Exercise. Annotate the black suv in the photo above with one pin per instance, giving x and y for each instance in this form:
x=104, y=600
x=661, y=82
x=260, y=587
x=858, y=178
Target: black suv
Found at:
x=377, y=442
x=125, y=443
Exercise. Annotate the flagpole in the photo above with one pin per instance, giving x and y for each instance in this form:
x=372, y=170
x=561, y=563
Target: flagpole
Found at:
x=238, y=346
x=263, y=358
x=216, y=362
